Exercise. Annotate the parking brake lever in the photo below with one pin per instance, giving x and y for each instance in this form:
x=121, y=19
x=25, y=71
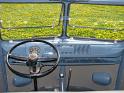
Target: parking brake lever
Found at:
x=69, y=78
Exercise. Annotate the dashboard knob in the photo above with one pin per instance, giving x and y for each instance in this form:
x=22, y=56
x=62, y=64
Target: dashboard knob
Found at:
x=101, y=78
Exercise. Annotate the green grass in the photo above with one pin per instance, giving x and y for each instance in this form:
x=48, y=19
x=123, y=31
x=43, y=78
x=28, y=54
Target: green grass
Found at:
x=48, y=14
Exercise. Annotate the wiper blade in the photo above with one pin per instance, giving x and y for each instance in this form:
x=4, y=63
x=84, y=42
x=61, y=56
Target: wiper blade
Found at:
x=24, y=27
x=102, y=28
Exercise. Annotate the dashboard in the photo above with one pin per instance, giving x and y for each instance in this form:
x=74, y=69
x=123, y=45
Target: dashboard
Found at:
x=74, y=52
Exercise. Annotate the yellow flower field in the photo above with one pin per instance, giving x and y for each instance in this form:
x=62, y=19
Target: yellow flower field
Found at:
x=92, y=21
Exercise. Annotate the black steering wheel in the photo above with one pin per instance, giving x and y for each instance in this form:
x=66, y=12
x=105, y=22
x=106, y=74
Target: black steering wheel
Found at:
x=33, y=61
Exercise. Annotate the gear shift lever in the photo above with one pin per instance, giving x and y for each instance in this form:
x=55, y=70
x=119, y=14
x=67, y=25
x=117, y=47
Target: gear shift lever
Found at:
x=69, y=78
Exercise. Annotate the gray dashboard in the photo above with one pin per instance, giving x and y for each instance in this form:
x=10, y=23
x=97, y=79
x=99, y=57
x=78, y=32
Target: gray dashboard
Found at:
x=77, y=51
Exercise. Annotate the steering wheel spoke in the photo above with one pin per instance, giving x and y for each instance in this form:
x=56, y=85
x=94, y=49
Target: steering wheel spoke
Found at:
x=18, y=62
x=42, y=60
x=19, y=58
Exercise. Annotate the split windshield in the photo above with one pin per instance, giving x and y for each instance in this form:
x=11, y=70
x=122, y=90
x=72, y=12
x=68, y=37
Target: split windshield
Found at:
x=22, y=21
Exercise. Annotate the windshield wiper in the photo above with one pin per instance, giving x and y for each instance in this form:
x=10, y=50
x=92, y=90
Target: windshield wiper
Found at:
x=9, y=28
x=102, y=28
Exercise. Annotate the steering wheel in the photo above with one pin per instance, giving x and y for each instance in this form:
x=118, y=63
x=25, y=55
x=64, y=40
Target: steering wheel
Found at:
x=33, y=61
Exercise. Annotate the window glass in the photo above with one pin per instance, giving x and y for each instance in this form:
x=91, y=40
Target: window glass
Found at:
x=96, y=21
x=43, y=18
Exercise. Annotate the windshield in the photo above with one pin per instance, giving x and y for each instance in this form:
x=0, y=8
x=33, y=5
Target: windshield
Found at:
x=96, y=21
x=22, y=21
